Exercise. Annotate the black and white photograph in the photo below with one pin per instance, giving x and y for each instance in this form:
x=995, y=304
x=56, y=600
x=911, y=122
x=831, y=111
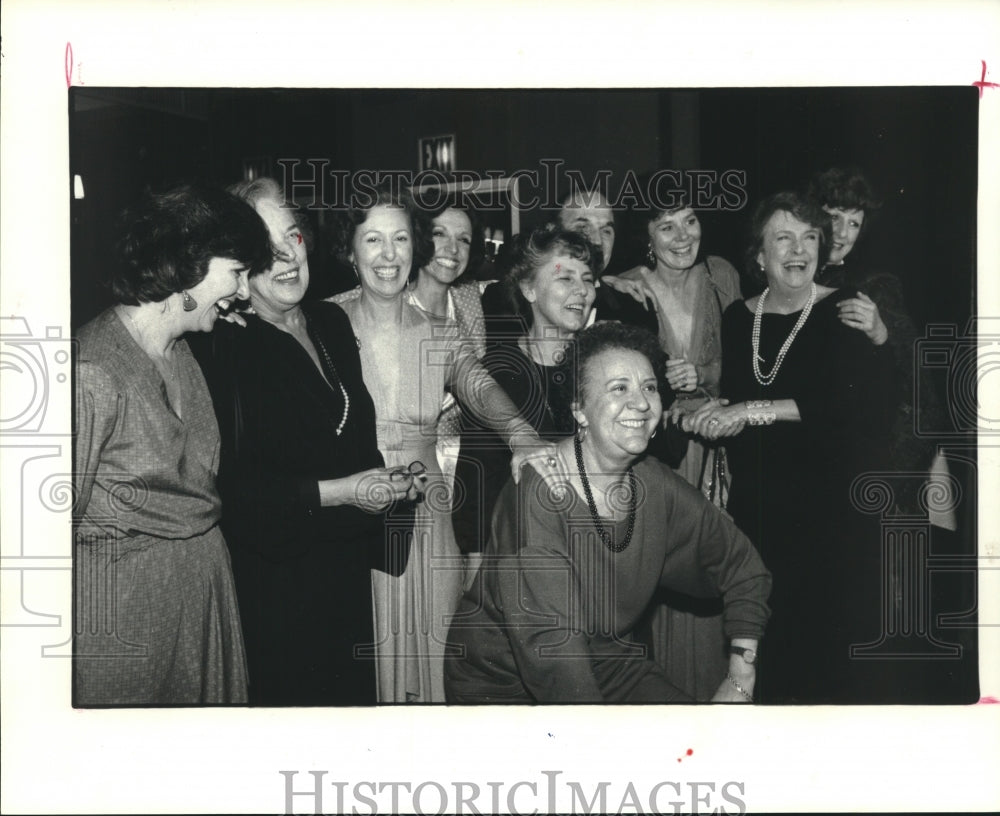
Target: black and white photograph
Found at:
x=402, y=431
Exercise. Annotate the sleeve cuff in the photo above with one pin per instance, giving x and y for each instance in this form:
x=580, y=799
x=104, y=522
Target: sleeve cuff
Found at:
x=307, y=494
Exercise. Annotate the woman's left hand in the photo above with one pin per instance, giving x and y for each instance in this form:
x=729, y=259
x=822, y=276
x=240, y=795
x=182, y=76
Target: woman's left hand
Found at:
x=739, y=674
x=635, y=288
x=727, y=693
x=682, y=375
x=862, y=314
x=715, y=419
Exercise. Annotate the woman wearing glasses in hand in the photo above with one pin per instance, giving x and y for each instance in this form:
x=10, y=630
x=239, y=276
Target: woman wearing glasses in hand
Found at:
x=304, y=487
x=409, y=360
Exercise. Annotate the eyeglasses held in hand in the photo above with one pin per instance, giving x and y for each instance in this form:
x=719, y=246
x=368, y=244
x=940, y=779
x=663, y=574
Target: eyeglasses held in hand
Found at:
x=416, y=470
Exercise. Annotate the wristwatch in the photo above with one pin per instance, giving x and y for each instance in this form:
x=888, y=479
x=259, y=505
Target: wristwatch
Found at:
x=749, y=655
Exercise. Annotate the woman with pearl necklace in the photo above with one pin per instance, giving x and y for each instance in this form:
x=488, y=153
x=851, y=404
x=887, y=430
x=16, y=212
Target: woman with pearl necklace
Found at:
x=805, y=403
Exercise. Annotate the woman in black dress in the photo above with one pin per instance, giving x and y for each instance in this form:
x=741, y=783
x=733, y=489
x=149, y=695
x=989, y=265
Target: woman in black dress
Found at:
x=805, y=408
x=303, y=484
x=880, y=312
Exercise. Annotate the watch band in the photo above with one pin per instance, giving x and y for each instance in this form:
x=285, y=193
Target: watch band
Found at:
x=749, y=655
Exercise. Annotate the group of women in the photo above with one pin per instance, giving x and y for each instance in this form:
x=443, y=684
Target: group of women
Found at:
x=424, y=505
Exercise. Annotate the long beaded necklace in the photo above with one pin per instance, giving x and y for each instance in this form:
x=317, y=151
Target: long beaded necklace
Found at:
x=331, y=372
x=758, y=316
x=604, y=534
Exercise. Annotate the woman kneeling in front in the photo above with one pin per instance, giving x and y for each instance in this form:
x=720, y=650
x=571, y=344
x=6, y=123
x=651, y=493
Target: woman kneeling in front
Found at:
x=567, y=574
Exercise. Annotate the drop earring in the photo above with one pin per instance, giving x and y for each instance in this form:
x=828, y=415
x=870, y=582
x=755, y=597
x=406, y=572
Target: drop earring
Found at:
x=650, y=256
x=190, y=304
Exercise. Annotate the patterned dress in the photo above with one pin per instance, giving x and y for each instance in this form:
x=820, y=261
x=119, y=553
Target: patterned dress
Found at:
x=156, y=614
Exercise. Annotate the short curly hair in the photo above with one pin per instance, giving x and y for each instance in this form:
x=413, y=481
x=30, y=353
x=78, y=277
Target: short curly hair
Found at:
x=845, y=188
x=531, y=251
x=804, y=209
x=268, y=189
x=385, y=194
x=608, y=336
x=168, y=240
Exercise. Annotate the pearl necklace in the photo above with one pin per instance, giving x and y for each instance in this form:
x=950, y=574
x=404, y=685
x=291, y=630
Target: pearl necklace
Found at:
x=331, y=371
x=595, y=516
x=755, y=337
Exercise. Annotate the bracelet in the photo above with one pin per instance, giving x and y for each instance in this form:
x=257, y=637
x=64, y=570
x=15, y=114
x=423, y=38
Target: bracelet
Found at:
x=762, y=418
x=755, y=404
x=739, y=688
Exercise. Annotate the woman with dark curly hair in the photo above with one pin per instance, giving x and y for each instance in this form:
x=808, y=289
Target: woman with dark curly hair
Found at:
x=157, y=615
x=880, y=312
x=408, y=361
x=804, y=410
x=567, y=574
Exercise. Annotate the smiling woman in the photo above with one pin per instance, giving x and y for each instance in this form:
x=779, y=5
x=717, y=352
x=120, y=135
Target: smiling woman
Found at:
x=306, y=494
x=879, y=311
x=551, y=281
x=149, y=554
x=409, y=360
x=568, y=573
x=802, y=389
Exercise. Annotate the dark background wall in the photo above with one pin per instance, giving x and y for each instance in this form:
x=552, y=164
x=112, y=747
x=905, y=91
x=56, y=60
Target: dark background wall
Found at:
x=918, y=145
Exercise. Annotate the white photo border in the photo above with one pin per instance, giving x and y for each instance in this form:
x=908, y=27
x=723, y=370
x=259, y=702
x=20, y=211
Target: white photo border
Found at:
x=57, y=759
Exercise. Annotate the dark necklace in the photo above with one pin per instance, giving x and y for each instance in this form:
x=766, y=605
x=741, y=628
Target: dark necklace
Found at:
x=606, y=537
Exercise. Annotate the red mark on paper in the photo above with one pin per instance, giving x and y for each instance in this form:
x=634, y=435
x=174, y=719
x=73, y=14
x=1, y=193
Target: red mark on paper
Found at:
x=988, y=701
x=982, y=83
x=299, y=238
x=68, y=65
x=689, y=752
